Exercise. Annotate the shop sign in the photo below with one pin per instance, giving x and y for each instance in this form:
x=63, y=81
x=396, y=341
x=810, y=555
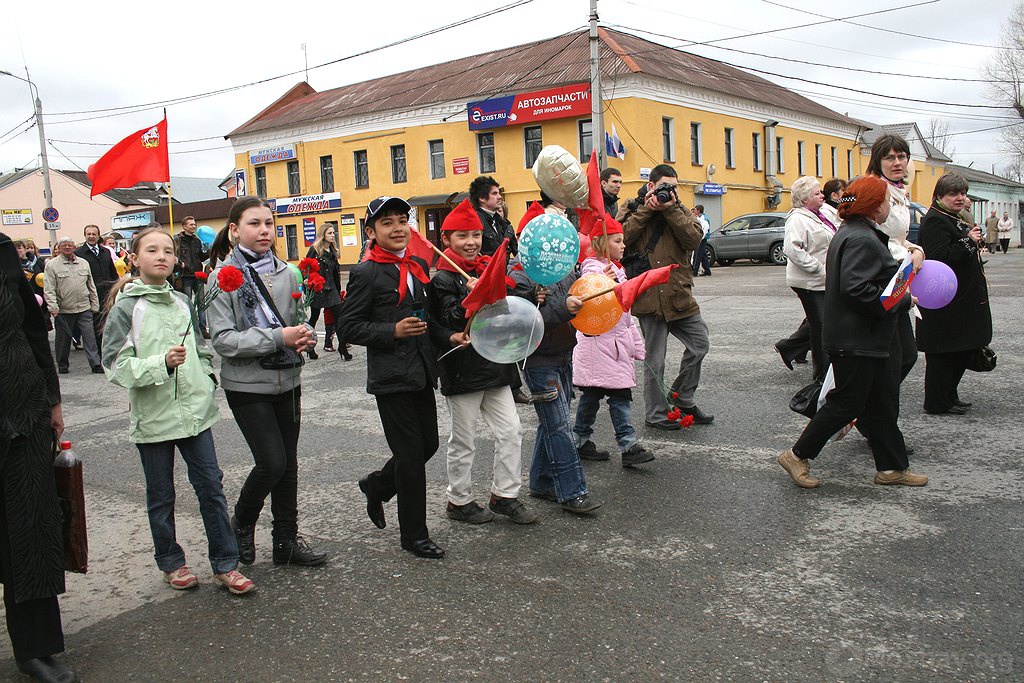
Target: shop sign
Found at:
x=239, y=182
x=139, y=219
x=309, y=230
x=17, y=216
x=710, y=188
x=645, y=173
x=349, y=230
x=460, y=166
x=271, y=154
x=539, y=105
x=312, y=203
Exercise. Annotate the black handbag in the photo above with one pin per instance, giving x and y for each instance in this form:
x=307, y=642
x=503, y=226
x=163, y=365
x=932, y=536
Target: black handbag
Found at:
x=282, y=359
x=636, y=262
x=805, y=401
x=982, y=360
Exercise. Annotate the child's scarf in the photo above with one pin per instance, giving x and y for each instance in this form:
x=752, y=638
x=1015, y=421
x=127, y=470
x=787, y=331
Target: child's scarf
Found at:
x=406, y=266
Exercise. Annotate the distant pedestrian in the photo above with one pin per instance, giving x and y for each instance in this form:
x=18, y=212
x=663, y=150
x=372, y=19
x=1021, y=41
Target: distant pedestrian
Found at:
x=485, y=195
x=992, y=233
x=191, y=256
x=171, y=385
x=701, y=260
x=72, y=300
x=325, y=251
x=611, y=185
x=1005, y=231
x=104, y=275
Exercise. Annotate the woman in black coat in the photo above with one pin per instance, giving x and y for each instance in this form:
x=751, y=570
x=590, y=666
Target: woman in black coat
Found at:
x=859, y=335
x=31, y=541
x=949, y=335
x=325, y=251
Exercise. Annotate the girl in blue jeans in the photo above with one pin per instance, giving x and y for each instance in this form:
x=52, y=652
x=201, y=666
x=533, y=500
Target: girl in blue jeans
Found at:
x=171, y=388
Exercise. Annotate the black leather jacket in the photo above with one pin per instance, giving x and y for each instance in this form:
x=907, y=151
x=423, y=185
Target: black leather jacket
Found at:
x=496, y=229
x=858, y=268
x=463, y=371
x=368, y=318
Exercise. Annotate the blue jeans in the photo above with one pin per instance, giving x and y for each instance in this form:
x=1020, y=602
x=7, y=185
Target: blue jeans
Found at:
x=556, y=463
x=204, y=473
x=618, y=409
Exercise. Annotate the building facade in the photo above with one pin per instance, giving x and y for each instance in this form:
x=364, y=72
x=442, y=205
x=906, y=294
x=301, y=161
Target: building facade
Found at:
x=737, y=141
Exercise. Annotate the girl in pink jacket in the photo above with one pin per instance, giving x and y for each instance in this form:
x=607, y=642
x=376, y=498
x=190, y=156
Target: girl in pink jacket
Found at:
x=603, y=365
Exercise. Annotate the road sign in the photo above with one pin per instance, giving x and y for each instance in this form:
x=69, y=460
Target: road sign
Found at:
x=50, y=215
x=53, y=225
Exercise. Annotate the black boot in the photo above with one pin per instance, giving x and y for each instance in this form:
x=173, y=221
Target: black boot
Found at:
x=296, y=551
x=246, y=537
x=46, y=669
x=329, y=338
x=343, y=349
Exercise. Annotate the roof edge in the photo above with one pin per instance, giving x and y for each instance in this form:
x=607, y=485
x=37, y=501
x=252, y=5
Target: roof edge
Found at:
x=619, y=52
x=295, y=93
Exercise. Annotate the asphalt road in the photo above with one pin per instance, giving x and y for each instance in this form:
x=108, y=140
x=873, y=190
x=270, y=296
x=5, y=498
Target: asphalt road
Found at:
x=707, y=564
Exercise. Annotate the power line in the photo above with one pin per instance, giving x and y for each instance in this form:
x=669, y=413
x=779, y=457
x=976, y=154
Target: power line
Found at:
x=799, y=42
x=16, y=127
x=189, y=98
x=829, y=66
x=887, y=30
x=111, y=144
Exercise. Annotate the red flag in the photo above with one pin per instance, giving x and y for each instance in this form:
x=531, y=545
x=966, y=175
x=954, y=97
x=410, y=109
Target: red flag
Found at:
x=419, y=246
x=142, y=156
x=627, y=292
x=596, y=198
x=491, y=286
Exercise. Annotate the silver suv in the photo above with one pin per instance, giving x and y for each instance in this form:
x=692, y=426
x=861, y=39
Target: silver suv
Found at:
x=756, y=236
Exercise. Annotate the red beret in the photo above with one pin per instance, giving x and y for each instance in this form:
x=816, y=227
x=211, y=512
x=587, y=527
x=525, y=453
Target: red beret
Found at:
x=462, y=217
x=532, y=212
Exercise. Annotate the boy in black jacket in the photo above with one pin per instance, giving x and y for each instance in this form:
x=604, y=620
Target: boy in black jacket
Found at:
x=385, y=312
x=472, y=385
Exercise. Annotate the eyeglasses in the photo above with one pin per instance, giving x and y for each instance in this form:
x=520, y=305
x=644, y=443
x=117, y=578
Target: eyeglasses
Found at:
x=895, y=157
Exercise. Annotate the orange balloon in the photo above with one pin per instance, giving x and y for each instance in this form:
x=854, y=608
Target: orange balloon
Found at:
x=599, y=314
x=39, y=279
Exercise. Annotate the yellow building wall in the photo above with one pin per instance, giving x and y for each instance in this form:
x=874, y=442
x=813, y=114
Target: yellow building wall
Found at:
x=638, y=122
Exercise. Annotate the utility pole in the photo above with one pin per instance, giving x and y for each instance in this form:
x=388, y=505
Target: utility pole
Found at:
x=37, y=106
x=596, y=103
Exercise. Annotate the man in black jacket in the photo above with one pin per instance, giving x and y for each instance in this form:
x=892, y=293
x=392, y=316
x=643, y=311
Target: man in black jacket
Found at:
x=104, y=275
x=485, y=195
x=611, y=183
x=191, y=255
x=385, y=311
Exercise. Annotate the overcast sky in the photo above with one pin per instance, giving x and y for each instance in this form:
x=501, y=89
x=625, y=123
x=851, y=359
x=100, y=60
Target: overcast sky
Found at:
x=82, y=58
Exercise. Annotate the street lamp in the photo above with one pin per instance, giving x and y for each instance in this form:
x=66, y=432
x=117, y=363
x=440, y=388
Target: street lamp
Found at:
x=38, y=108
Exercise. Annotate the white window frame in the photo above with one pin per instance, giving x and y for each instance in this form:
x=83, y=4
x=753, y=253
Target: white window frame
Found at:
x=758, y=147
x=730, y=148
x=780, y=155
x=817, y=160
x=835, y=162
x=800, y=158
x=430, y=159
x=668, y=139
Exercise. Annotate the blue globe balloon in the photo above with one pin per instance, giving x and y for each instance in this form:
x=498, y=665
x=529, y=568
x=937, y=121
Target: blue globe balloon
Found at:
x=206, y=234
x=549, y=248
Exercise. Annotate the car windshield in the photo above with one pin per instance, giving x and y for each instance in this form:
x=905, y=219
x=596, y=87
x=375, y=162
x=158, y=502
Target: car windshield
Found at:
x=741, y=223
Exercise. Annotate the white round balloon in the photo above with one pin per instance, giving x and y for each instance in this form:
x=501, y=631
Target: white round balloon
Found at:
x=507, y=331
x=561, y=177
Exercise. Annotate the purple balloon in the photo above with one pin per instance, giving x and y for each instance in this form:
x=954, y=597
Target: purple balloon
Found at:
x=934, y=285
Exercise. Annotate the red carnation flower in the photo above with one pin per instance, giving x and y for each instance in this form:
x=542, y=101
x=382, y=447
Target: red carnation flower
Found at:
x=686, y=421
x=296, y=295
x=675, y=394
x=200, y=275
x=229, y=278
x=309, y=265
x=675, y=414
x=316, y=282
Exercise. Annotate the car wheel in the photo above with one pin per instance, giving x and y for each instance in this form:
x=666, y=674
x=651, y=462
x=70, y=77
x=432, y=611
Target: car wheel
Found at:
x=776, y=254
x=711, y=253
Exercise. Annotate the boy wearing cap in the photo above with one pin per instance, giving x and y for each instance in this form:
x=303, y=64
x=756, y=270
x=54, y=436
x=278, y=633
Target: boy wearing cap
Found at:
x=472, y=385
x=385, y=312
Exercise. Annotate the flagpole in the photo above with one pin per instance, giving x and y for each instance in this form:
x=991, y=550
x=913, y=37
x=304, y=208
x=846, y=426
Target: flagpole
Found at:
x=170, y=198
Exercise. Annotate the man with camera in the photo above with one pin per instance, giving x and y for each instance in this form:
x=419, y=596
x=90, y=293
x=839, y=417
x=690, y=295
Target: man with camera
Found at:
x=660, y=231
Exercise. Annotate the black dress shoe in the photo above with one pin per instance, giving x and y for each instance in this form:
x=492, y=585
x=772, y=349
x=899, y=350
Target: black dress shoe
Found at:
x=296, y=551
x=699, y=416
x=312, y=354
x=800, y=361
x=787, y=361
x=47, y=669
x=97, y=370
x=962, y=404
x=424, y=548
x=374, y=506
x=246, y=538
x=952, y=410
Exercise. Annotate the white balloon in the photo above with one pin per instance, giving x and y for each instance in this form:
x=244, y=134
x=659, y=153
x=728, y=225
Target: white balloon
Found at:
x=507, y=331
x=561, y=177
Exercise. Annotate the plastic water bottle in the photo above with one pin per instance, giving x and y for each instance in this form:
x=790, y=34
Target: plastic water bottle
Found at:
x=66, y=457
